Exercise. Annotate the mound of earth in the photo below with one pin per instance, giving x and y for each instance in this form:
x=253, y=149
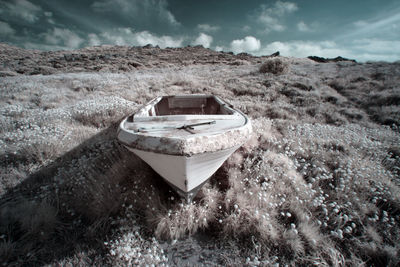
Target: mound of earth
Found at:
x=108, y=58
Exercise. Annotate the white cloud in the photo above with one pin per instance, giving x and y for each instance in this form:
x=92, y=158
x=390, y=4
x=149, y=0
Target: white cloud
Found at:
x=41, y=46
x=119, y=36
x=145, y=37
x=62, y=38
x=303, y=27
x=282, y=8
x=208, y=28
x=138, y=10
x=204, y=40
x=246, y=28
x=248, y=44
x=22, y=9
x=375, y=49
x=6, y=29
x=49, y=16
x=270, y=17
x=126, y=36
x=304, y=49
x=376, y=38
x=93, y=39
x=271, y=23
x=386, y=26
x=360, y=23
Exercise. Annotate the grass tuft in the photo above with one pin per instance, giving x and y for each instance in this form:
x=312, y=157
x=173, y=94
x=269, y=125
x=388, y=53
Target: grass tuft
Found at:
x=275, y=66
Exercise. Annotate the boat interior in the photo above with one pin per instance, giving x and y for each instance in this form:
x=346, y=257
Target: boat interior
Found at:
x=189, y=105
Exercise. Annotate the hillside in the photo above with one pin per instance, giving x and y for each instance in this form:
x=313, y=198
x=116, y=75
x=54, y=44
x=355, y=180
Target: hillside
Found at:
x=317, y=184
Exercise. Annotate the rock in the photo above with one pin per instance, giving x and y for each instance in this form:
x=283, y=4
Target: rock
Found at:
x=276, y=54
x=57, y=65
x=7, y=73
x=339, y=58
x=125, y=67
x=45, y=70
x=238, y=62
x=135, y=64
x=243, y=54
x=23, y=70
x=68, y=57
x=327, y=60
x=105, y=57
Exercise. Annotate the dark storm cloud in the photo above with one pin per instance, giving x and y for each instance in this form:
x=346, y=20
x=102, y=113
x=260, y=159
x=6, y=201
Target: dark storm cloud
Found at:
x=137, y=11
x=20, y=9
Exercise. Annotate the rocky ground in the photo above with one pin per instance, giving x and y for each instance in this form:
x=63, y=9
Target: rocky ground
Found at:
x=318, y=183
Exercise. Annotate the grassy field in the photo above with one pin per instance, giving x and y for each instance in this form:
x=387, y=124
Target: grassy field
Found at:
x=317, y=184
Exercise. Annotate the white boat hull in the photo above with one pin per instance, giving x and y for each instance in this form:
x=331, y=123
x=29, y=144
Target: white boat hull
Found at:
x=185, y=173
x=185, y=138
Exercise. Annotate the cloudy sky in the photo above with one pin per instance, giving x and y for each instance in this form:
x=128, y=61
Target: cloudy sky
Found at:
x=363, y=30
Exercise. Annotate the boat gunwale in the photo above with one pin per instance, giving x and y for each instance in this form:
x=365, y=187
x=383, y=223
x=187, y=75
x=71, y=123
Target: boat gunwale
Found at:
x=187, y=145
x=141, y=117
x=182, y=146
x=186, y=117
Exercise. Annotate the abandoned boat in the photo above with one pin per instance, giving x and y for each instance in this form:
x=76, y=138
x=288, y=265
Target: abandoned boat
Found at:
x=185, y=138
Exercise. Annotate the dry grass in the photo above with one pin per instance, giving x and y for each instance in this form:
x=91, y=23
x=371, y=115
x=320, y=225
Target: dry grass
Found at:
x=317, y=184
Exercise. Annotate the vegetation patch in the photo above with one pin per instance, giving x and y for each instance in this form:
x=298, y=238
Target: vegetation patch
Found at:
x=275, y=66
x=317, y=184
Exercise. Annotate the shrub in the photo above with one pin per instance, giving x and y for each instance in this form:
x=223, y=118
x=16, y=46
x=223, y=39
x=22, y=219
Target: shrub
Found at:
x=275, y=66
